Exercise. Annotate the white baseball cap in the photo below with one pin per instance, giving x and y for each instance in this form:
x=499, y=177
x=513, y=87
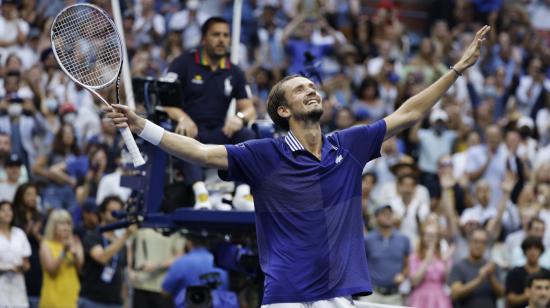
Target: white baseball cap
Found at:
x=438, y=115
x=526, y=121
x=192, y=4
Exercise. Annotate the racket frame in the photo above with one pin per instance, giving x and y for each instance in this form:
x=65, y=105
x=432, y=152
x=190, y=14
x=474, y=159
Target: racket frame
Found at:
x=137, y=158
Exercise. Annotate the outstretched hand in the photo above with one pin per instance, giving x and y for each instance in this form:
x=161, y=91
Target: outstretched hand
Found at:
x=473, y=51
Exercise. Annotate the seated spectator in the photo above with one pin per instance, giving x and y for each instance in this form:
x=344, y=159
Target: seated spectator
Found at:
x=189, y=270
x=428, y=270
x=14, y=260
x=538, y=290
x=516, y=295
x=13, y=172
x=209, y=82
x=105, y=259
x=474, y=281
x=61, y=257
x=388, y=254
x=58, y=186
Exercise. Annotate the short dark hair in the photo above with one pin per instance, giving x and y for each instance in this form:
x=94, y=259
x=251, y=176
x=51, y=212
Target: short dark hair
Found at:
x=372, y=175
x=368, y=82
x=532, y=241
x=107, y=200
x=540, y=275
x=275, y=99
x=210, y=22
x=402, y=177
x=4, y=202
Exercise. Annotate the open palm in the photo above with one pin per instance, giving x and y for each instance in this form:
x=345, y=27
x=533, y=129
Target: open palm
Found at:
x=473, y=51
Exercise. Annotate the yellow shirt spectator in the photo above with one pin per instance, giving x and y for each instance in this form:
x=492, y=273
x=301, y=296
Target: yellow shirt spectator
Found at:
x=62, y=289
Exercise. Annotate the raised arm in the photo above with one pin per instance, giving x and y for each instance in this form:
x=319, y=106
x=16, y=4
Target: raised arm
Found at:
x=188, y=149
x=416, y=107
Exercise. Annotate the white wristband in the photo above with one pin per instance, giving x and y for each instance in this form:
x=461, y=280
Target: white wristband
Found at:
x=152, y=132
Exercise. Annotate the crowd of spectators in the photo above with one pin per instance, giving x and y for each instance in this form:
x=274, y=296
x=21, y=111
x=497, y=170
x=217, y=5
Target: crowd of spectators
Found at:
x=461, y=202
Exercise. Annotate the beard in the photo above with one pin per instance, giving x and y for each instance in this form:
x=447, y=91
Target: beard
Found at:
x=311, y=116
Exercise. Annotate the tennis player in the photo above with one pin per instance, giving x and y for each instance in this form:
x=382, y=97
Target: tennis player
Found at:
x=306, y=186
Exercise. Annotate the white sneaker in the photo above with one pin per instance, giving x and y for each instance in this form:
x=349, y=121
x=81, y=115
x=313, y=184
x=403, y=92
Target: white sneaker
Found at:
x=243, y=200
x=202, y=200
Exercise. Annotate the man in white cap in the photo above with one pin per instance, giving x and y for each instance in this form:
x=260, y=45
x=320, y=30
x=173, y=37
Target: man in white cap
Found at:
x=432, y=144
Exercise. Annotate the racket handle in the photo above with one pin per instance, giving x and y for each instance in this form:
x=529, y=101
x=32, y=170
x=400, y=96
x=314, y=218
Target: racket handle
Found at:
x=130, y=142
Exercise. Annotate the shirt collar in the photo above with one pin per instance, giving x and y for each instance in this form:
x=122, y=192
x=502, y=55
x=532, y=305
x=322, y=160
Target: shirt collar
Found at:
x=202, y=60
x=381, y=236
x=295, y=145
x=293, y=142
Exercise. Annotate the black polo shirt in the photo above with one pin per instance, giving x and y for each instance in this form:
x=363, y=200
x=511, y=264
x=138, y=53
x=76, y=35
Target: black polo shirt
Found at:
x=207, y=94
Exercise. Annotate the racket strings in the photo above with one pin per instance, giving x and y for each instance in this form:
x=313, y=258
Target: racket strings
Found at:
x=87, y=46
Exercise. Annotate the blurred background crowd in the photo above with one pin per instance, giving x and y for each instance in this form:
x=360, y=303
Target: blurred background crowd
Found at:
x=461, y=202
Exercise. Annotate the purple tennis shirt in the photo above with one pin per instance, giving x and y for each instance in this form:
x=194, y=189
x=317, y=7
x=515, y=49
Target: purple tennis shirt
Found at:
x=308, y=211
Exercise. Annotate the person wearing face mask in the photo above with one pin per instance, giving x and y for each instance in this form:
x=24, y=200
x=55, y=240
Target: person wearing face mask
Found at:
x=432, y=144
x=19, y=119
x=5, y=155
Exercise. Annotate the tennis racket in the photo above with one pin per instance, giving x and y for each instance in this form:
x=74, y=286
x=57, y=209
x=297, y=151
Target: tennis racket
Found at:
x=88, y=48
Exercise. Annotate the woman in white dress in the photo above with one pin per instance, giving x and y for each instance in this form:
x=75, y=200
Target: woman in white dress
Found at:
x=14, y=260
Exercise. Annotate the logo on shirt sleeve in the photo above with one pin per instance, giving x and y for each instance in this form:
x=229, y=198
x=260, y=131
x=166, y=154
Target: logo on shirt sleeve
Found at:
x=339, y=158
x=197, y=79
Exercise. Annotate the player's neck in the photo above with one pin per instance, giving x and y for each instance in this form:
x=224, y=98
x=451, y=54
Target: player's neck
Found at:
x=310, y=136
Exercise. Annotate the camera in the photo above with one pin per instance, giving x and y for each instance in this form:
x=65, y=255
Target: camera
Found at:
x=207, y=295
x=198, y=297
